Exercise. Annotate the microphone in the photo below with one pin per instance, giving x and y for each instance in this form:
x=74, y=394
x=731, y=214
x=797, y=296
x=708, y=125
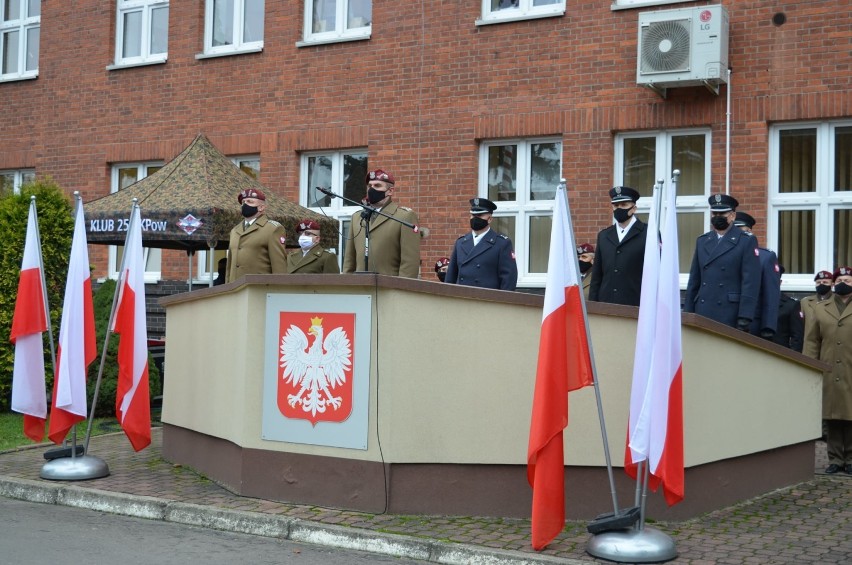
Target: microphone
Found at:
x=422, y=230
x=367, y=212
x=325, y=190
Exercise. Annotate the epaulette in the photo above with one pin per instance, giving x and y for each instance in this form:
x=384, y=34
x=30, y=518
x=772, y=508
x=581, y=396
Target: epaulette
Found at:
x=274, y=223
x=406, y=209
x=503, y=236
x=461, y=236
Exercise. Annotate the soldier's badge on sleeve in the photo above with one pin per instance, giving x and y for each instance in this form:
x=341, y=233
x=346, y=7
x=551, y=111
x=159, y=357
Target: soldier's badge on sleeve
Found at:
x=756, y=253
x=513, y=255
x=282, y=240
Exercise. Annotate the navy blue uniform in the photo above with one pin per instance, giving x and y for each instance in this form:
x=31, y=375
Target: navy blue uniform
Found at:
x=791, y=324
x=617, y=270
x=766, y=315
x=491, y=264
x=724, y=278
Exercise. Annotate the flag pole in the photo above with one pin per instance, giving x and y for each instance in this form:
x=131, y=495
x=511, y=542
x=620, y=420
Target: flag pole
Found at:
x=43, y=284
x=563, y=191
x=108, y=333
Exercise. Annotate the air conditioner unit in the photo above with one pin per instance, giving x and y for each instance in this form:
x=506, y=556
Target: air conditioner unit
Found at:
x=683, y=47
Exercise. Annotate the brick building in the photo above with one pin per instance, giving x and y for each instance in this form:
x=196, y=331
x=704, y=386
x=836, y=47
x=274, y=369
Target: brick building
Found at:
x=495, y=98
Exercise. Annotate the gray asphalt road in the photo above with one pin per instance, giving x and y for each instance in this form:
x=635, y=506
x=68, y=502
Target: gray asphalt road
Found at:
x=46, y=534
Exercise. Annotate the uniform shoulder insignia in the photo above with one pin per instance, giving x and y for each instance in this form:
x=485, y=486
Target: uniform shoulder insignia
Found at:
x=406, y=209
x=503, y=236
x=462, y=236
x=274, y=223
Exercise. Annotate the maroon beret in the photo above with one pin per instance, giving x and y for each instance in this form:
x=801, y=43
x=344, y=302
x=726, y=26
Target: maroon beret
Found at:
x=307, y=225
x=824, y=276
x=842, y=272
x=585, y=248
x=442, y=262
x=251, y=193
x=381, y=175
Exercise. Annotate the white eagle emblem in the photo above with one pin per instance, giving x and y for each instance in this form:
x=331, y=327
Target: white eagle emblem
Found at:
x=317, y=369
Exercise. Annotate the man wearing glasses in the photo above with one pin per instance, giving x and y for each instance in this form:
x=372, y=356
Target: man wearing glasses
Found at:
x=311, y=257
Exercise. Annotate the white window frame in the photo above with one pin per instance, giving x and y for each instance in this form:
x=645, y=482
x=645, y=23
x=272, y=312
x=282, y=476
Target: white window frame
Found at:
x=23, y=26
x=337, y=208
x=149, y=253
x=523, y=208
x=239, y=46
x=19, y=177
x=523, y=10
x=824, y=200
x=341, y=31
x=692, y=204
x=146, y=9
x=628, y=4
x=202, y=272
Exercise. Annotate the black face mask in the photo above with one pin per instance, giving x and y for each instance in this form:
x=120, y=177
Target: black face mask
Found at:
x=823, y=289
x=621, y=215
x=585, y=266
x=842, y=289
x=375, y=196
x=719, y=222
x=248, y=211
x=477, y=224
x=442, y=275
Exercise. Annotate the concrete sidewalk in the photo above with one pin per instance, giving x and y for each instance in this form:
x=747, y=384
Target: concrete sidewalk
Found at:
x=807, y=523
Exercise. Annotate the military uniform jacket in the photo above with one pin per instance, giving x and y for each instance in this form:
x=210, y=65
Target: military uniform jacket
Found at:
x=394, y=248
x=829, y=339
x=587, y=283
x=724, y=277
x=316, y=260
x=769, y=295
x=807, y=305
x=791, y=325
x=489, y=264
x=617, y=270
x=258, y=249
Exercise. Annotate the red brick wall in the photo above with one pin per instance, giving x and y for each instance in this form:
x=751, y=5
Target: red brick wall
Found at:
x=420, y=94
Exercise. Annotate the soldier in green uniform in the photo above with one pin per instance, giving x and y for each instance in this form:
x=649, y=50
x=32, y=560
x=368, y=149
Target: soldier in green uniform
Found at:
x=257, y=243
x=394, y=248
x=311, y=257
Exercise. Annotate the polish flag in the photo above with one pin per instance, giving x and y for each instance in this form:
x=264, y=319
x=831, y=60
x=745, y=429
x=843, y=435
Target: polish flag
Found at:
x=655, y=431
x=77, y=347
x=132, y=404
x=28, y=324
x=564, y=364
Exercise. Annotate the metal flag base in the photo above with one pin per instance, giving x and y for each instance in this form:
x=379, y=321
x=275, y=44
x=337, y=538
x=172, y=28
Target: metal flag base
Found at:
x=74, y=469
x=647, y=545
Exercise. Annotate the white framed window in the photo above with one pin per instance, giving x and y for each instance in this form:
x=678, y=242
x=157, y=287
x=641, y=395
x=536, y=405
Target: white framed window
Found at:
x=20, y=32
x=497, y=11
x=641, y=158
x=337, y=20
x=625, y=4
x=343, y=172
x=810, y=199
x=250, y=165
x=11, y=180
x=123, y=175
x=233, y=26
x=142, y=32
x=521, y=176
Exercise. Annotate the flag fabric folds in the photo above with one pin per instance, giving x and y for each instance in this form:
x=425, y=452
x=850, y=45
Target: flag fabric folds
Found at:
x=77, y=347
x=28, y=325
x=132, y=405
x=564, y=364
x=655, y=430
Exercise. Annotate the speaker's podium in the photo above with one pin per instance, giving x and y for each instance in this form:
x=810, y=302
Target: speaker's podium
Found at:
x=378, y=393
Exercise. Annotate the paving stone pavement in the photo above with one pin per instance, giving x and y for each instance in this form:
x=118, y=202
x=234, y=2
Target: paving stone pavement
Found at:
x=807, y=523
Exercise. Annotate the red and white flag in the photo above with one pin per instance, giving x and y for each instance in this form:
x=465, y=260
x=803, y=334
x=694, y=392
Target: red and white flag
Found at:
x=77, y=347
x=655, y=431
x=28, y=325
x=132, y=404
x=564, y=364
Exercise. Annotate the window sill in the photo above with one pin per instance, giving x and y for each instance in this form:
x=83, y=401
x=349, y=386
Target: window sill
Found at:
x=119, y=66
x=339, y=39
x=19, y=78
x=244, y=51
x=517, y=18
x=644, y=4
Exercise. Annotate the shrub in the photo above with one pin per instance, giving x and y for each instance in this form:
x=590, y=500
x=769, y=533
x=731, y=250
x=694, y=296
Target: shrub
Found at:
x=102, y=302
x=56, y=227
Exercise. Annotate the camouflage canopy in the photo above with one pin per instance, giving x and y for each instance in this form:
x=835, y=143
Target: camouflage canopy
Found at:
x=191, y=204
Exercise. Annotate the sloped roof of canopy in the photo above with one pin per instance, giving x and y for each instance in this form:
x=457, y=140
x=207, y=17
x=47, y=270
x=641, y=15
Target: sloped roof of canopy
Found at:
x=191, y=204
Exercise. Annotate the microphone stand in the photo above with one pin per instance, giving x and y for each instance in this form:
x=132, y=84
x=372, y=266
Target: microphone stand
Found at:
x=367, y=212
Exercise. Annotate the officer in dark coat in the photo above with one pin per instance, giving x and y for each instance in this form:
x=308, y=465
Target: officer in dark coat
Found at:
x=791, y=323
x=725, y=275
x=483, y=257
x=765, y=320
x=620, y=252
